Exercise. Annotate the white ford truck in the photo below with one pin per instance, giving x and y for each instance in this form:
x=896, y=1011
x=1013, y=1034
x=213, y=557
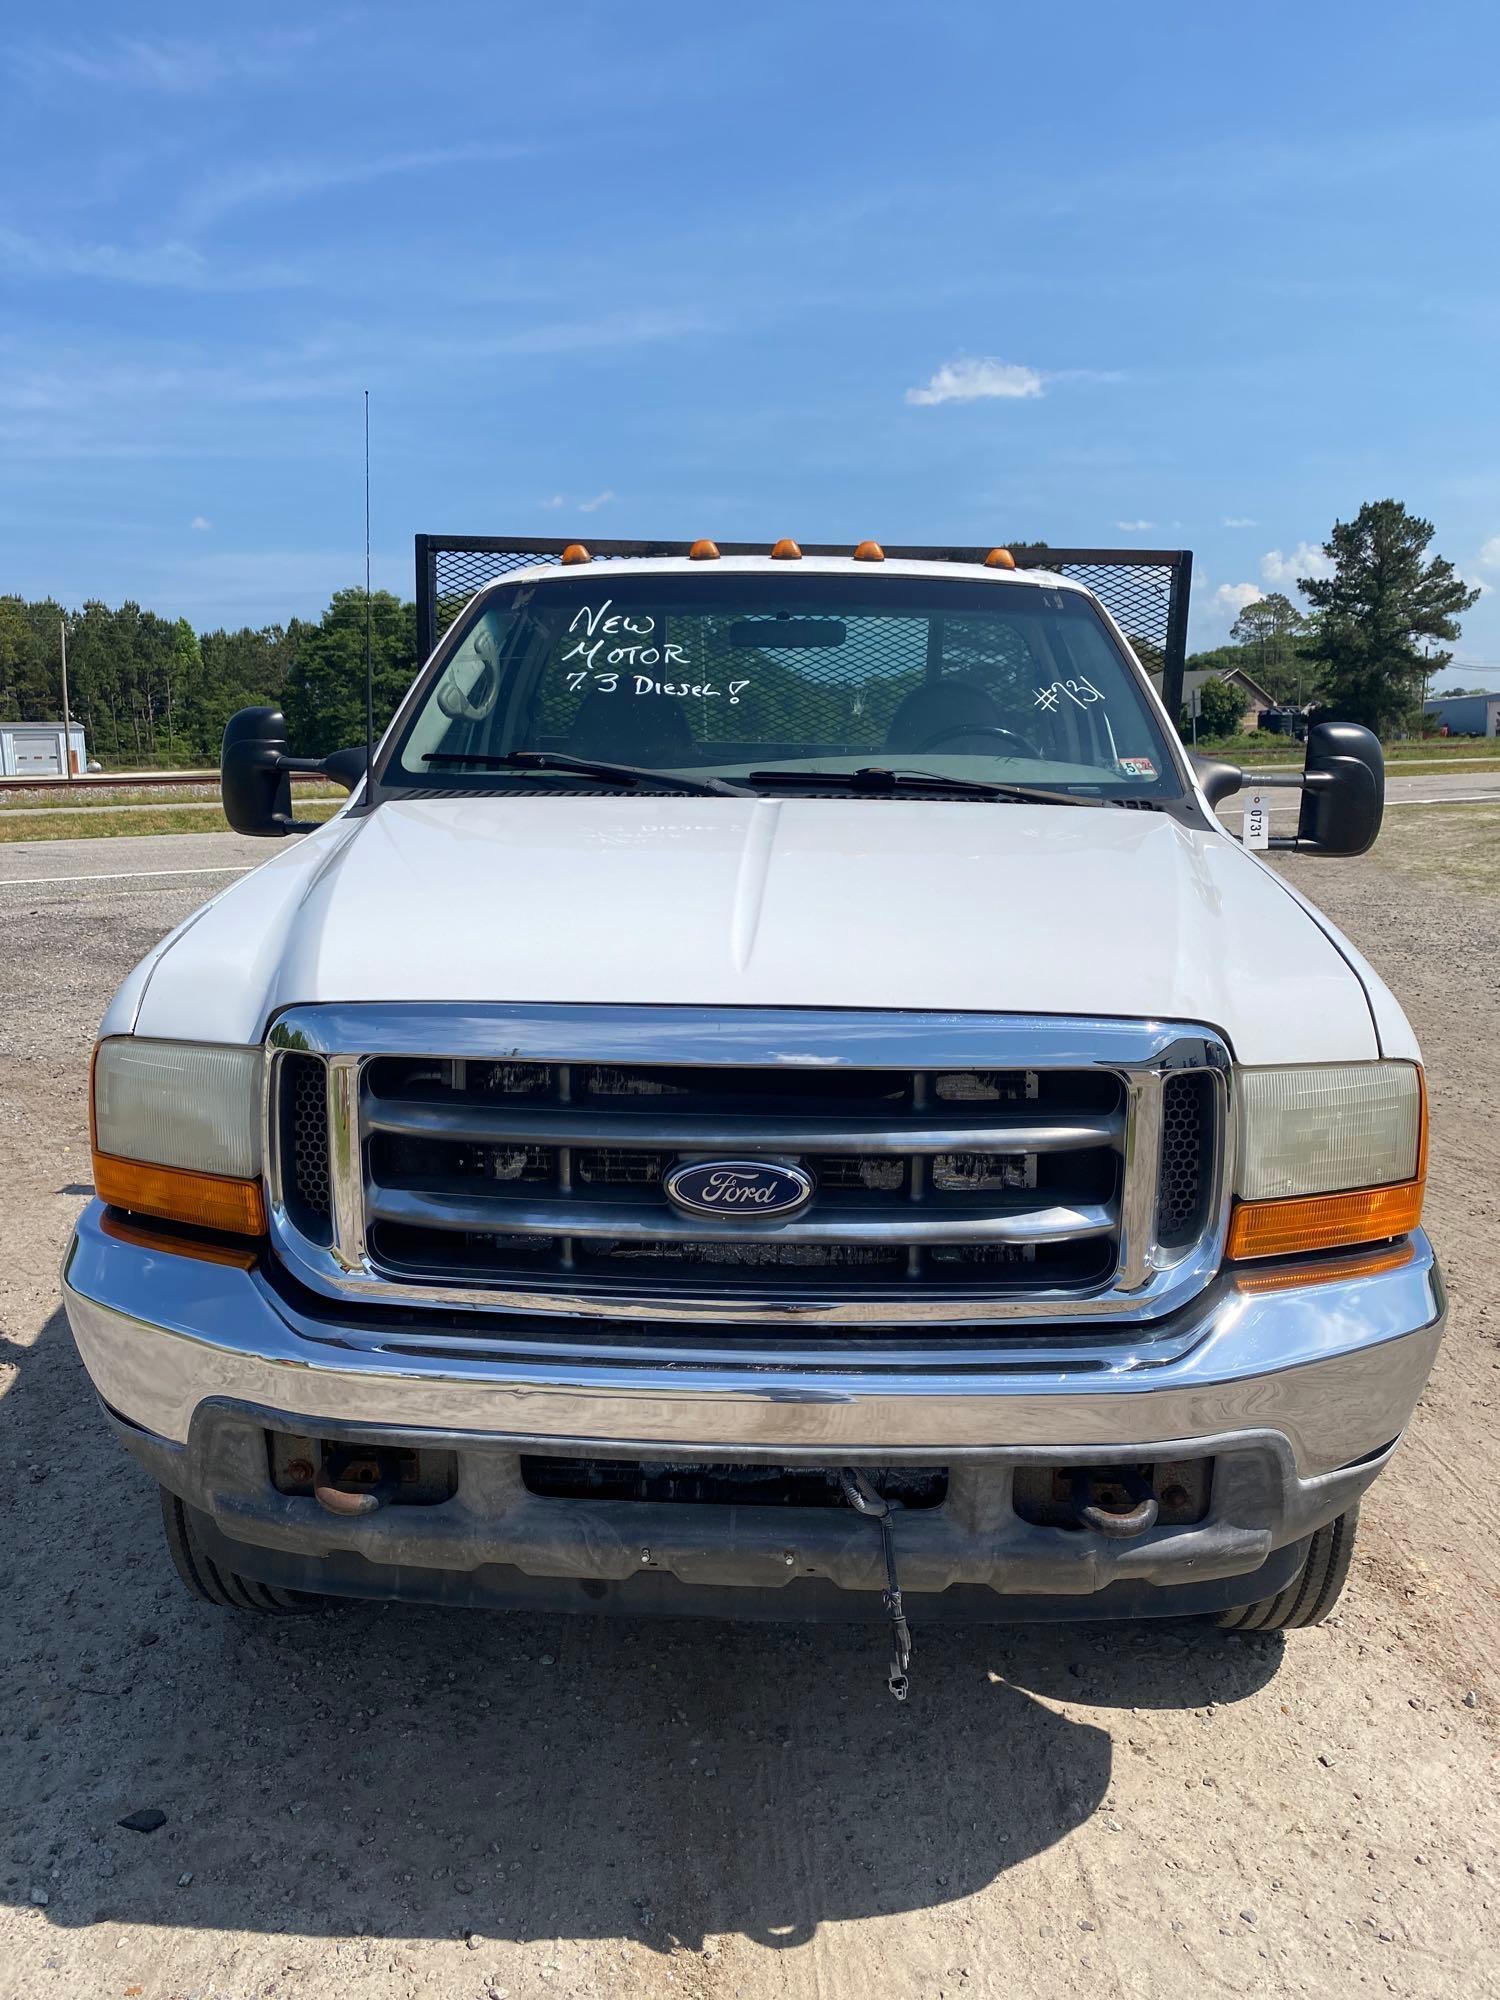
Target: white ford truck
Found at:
x=777, y=1094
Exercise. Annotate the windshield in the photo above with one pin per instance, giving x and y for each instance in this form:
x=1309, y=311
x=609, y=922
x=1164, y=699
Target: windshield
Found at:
x=727, y=674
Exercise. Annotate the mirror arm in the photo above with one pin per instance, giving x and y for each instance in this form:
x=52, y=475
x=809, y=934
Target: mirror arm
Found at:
x=344, y=767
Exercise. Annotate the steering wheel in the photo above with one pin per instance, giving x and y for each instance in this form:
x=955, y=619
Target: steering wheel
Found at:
x=979, y=729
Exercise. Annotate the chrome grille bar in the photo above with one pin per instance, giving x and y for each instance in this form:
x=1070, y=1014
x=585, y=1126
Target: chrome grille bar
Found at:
x=570, y=1125
x=439, y=1208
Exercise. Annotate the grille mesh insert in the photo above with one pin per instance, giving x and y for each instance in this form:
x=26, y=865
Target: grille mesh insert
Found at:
x=304, y=1102
x=1187, y=1113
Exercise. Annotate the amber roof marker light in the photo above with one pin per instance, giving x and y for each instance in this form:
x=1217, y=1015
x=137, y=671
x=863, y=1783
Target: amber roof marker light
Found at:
x=869, y=552
x=786, y=550
x=575, y=552
x=704, y=551
x=999, y=559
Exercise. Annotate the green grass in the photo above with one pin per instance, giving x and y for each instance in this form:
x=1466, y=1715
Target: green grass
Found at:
x=1252, y=751
x=62, y=797
x=64, y=825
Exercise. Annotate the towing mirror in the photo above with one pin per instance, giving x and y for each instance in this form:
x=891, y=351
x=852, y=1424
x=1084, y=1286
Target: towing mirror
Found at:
x=1343, y=791
x=255, y=774
x=1342, y=786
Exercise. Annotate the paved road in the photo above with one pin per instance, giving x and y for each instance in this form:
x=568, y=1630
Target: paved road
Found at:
x=1427, y=788
x=132, y=864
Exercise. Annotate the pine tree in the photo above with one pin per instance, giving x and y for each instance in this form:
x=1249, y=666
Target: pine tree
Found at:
x=1383, y=596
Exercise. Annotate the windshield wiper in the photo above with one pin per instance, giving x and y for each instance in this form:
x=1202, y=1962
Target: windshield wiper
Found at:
x=588, y=767
x=876, y=778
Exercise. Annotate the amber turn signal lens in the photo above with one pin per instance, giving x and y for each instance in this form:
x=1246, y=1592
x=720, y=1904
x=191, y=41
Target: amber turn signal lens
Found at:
x=704, y=551
x=1323, y=1221
x=1336, y=1270
x=575, y=552
x=999, y=559
x=170, y=1244
x=209, y=1201
x=786, y=550
x=869, y=552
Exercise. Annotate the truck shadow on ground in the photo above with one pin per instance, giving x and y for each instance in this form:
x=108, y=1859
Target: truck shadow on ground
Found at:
x=408, y=1773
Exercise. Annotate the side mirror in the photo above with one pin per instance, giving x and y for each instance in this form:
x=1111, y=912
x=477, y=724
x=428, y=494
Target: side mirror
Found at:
x=1343, y=790
x=255, y=773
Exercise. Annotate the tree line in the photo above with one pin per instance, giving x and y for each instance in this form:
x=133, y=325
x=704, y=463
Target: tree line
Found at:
x=150, y=690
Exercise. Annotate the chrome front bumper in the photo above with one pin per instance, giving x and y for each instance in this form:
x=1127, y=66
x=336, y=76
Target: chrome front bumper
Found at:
x=1331, y=1369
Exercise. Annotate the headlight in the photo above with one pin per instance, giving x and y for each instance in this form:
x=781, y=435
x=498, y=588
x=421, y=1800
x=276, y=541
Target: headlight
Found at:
x=176, y=1130
x=1327, y=1156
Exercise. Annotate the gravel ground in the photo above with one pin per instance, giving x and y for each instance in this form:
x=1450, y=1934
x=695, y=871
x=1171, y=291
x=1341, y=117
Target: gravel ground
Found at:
x=399, y=1802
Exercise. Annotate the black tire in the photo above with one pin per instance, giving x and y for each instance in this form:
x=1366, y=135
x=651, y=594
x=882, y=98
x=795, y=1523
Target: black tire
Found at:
x=204, y=1579
x=1312, y=1592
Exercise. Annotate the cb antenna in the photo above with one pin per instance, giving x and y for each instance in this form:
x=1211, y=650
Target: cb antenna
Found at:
x=369, y=632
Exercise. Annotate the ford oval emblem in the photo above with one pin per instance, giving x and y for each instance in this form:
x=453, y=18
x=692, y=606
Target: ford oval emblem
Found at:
x=757, y=1189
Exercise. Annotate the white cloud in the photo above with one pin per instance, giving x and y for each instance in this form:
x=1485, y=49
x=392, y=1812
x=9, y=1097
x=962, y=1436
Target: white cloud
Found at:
x=174, y=265
x=1232, y=598
x=1489, y=555
x=294, y=180
x=1239, y=521
x=613, y=329
x=591, y=506
x=1134, y=527
x=200, y=524
x=971, y=380
x=174, y=67
x=1307, y=559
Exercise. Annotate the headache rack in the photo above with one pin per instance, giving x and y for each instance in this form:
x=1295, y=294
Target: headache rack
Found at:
x=1145, y=591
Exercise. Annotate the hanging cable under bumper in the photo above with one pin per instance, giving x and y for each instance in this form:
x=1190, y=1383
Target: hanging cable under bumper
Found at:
x=863, y=1498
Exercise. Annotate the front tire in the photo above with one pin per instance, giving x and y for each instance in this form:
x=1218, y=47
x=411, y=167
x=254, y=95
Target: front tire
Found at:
x=206, y=1580
x=1312, y=1592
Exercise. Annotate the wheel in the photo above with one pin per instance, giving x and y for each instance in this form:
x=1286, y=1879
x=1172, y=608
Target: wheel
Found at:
x=204, y=1579
x=1312, y=1592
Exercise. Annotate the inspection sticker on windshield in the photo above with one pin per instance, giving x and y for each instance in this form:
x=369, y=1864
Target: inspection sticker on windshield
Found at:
x=1257, y=829
x=1138, y=767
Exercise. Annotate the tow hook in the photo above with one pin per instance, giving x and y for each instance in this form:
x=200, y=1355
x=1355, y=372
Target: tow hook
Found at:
x=863, y=1498
x=351, y=1483
x=1119, y=1524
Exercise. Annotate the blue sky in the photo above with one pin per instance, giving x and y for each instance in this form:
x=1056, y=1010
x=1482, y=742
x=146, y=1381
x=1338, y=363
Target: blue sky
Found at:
x=1163, y=275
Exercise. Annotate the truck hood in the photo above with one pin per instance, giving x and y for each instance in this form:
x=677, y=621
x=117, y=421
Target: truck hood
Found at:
x=953, y=906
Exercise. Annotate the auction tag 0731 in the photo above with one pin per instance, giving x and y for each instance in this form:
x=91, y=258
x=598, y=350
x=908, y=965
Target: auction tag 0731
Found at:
x=1257, y=832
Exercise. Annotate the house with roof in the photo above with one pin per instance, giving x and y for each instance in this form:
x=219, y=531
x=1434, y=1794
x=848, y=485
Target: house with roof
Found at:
x=1256, y=696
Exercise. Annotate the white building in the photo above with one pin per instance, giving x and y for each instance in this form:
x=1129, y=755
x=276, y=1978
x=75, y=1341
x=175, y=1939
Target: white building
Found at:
x=35, y=749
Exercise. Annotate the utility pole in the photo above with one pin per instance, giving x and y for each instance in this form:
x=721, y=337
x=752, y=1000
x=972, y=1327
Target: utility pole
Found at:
x=1426, y=679
x=62, y=627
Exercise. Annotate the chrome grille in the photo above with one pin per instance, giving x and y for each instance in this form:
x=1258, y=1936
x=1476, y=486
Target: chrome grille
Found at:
x=559, y=1168
x=973, y=1188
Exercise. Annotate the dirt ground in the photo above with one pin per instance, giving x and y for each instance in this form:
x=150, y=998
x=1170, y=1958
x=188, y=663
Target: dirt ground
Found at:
x=398, y=1802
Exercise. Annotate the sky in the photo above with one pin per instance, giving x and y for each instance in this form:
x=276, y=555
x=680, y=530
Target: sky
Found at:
x=1166, y=276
